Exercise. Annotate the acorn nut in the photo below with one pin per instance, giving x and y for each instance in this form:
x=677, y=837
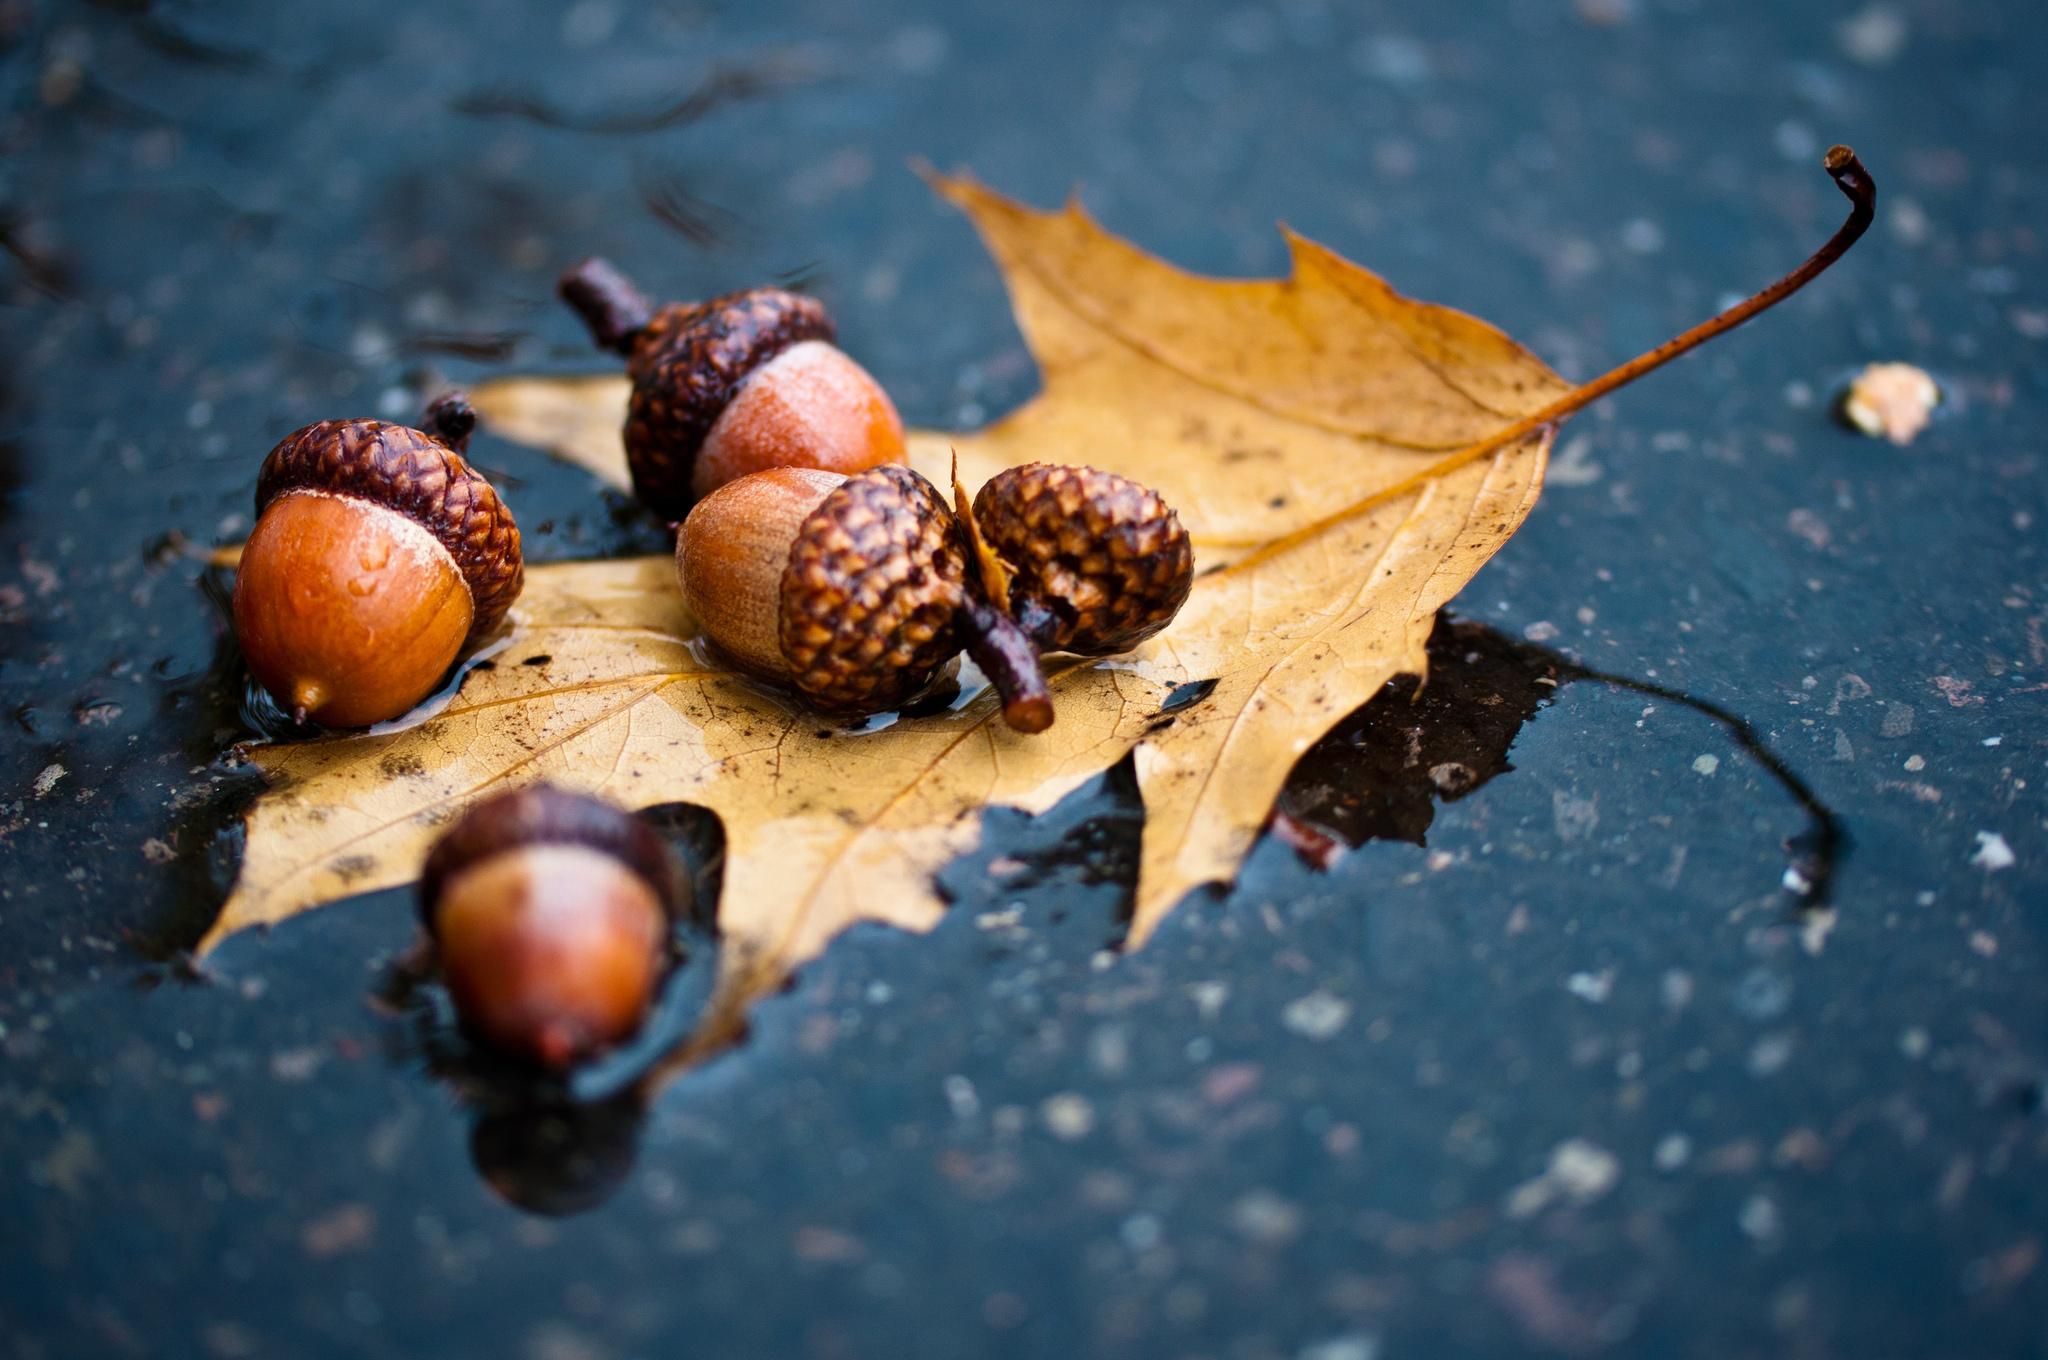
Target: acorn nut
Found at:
x=1097, y=563
x=550, y=913
x=855, y=591
x=731, y=386
x=378, y=554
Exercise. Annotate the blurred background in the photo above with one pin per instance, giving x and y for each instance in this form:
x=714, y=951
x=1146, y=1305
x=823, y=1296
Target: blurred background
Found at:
x=1549, y=1067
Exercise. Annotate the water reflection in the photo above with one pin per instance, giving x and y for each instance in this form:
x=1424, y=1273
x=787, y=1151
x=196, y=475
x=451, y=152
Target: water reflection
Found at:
x=1382, y=772
x=556, y=1147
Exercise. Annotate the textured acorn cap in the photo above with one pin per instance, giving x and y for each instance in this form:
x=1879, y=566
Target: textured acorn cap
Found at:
x=872, y=595
x=686, y=363
x=1099, y=562
x=541, y=814
x=420, y=477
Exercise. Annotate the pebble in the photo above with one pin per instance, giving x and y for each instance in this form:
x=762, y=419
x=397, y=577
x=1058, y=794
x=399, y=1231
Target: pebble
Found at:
x=1993, y=853
x=1873, y=36
x=1893, y=400
x=1584, y=1170
x=1349, y=1346
x=1068, y=1117
x=1770, y=1055
x=1266, y=1218
x=1706, y=764
x=1759, y=1218
x=1319, y=1015
x=1593, y=987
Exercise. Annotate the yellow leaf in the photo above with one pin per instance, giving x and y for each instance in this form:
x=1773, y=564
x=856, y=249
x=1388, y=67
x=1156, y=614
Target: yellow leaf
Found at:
x=1345, y=459
x=1259, y=409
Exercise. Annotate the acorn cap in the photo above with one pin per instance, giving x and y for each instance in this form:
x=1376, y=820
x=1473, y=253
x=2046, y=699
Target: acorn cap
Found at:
x=1098, y=562
x=872, y=595
x=421, y=477
x=542, y=814
x=686, y=364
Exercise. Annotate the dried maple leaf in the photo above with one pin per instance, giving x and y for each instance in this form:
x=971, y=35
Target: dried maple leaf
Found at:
x=1346, y=459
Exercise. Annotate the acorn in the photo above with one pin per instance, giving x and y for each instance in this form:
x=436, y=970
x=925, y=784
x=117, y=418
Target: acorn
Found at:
x=1096, y=562
x=550, y=913
x=854, y=591
x=731, y=386
x=378, y=555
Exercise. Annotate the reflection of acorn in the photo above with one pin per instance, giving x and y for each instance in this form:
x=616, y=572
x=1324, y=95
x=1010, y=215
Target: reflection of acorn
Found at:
x=377, y=554
x=559, y=1158
x=550, y=914
x=1098, y=562
x=731, y=386
x=852, y=590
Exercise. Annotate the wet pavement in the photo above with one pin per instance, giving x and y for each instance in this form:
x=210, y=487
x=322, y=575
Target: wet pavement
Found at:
x=1511, y=1039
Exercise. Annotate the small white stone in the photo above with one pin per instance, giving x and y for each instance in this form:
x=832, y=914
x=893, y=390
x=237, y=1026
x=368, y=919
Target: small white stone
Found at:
x=1349, y=1346
x=1593, y=987
x=1894, y=401
x=1209, y=997
x=1993, y=853
x=960, y=1094
x=1674, y=1150
x=1770, y=1055
x=1318, y=1015
x=1583, y=1170
x=1759, y=1218
x=1874, y=36
x=1706, y=764
x=1140, y=1232
x=1068, y=1117
x=1265, y=1218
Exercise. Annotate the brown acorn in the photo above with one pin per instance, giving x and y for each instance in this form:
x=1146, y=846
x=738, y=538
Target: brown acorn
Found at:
x=378, y=554
x=550, y=913
x=732, y=386
x=1097, y=563
x=854, y=591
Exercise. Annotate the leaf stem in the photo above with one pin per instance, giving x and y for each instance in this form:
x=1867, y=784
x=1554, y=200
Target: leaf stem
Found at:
x=1849, y=176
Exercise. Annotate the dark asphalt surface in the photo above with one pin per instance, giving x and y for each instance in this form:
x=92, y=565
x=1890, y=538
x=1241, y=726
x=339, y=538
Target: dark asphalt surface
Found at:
x=1549, y=1067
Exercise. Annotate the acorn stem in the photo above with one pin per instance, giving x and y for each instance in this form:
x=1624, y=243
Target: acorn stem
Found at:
x=451, y=419
x=613, y=309
x=1010, y=661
